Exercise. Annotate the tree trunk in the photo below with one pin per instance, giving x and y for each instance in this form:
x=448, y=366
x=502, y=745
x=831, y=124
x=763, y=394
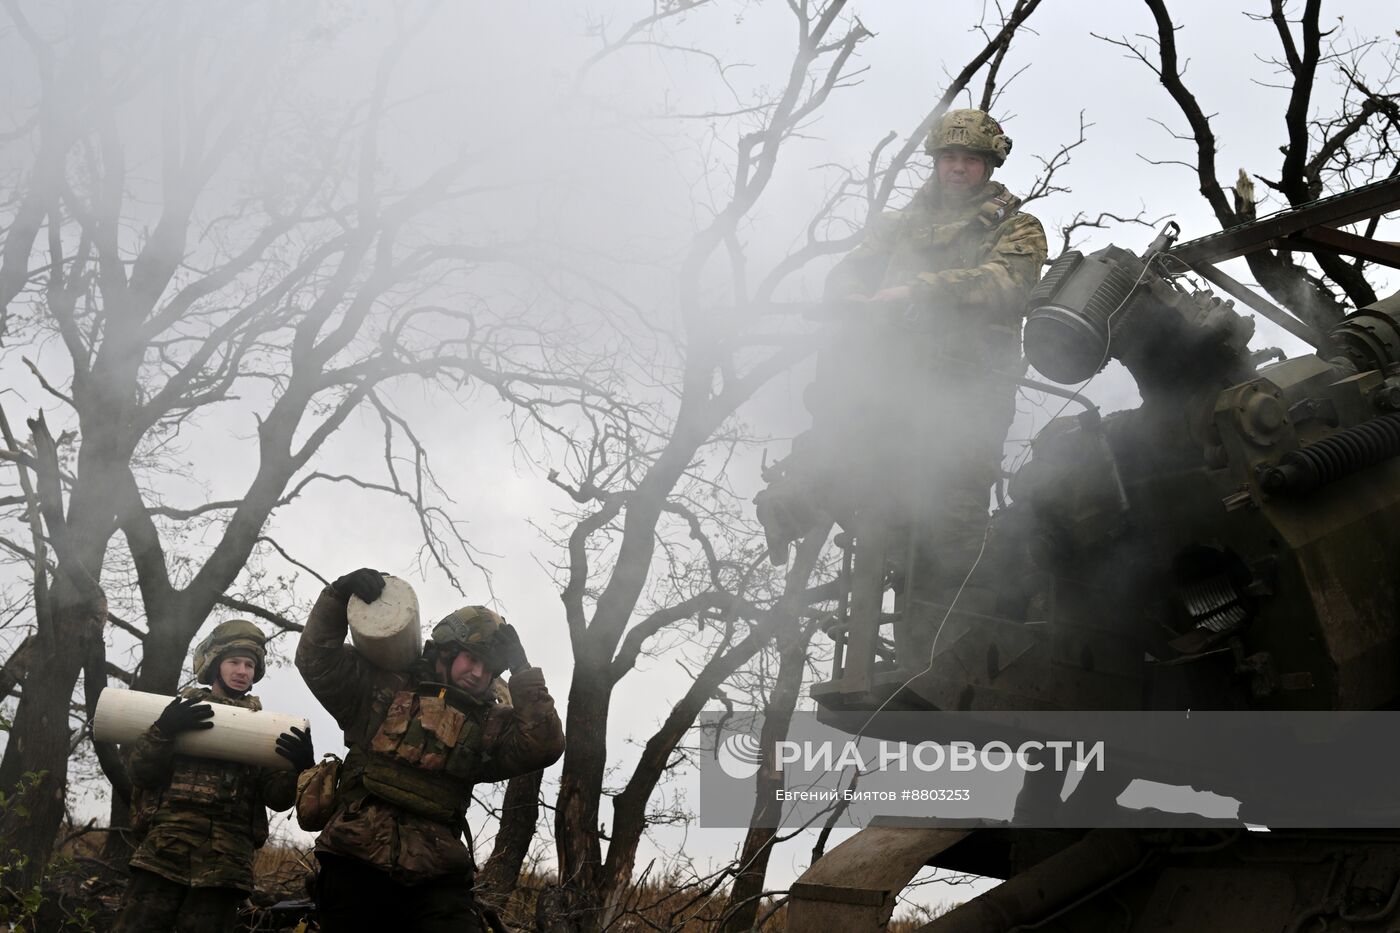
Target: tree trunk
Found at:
x=116, y=848
x=1288, y=284
x=576, y=826
x=16, y=666
x=747, y=890
x=164, y=651
x=69, y=632
x=34, y=771
x=119, y=845
x=630, y=806
x=520, y=811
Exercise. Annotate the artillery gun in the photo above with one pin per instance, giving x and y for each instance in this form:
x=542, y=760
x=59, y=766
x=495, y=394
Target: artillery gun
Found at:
x=1231, y=544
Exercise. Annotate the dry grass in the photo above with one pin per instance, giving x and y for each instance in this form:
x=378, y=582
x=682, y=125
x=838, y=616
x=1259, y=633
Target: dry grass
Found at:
x=282, y=872
x=674, y=907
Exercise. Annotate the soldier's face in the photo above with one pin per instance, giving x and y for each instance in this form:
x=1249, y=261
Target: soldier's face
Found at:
x=469, y=673
x=237, y=672
x=959, y=172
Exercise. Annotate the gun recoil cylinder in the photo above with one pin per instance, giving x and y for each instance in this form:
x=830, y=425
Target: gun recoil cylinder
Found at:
x=1074, y=310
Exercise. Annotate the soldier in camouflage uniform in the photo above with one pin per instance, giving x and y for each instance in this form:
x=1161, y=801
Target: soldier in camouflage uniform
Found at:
x=202, y=818
x=392, y=855
x=912, y=403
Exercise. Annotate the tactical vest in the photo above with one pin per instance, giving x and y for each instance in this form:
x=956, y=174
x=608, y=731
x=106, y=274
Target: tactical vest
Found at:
x=965, y=243
x=424, y=753
x=960, y=241
x=222, y=790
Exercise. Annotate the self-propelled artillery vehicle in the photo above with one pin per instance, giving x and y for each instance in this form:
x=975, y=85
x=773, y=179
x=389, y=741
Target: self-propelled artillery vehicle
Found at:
x=1233, y=543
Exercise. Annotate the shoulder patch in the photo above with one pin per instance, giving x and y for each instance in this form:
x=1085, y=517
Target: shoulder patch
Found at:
x=998, y=208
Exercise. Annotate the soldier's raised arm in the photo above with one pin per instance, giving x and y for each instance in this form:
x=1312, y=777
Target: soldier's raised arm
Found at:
x=532, y=737
x=419, y=740
x=338, y=675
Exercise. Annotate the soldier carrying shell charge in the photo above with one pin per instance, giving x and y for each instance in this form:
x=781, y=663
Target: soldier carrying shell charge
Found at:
x=391, y=852
x=200, y=820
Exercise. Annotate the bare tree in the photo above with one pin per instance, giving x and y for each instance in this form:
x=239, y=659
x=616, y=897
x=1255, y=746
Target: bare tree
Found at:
x=1321, y=153
x=654, y=542
x=793, y=639
x=716, y=377
x=782, y=620
x=200, y=295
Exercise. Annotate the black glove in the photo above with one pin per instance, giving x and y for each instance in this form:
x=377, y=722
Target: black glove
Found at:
x=185, y=714
x=364, y=583
x=510, y=648
x=295, y=746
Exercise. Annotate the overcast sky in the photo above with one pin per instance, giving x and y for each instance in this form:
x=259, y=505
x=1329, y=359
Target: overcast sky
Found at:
x=597, y=163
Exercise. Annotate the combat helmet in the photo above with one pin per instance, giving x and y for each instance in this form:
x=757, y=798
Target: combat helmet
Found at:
x=973, y=130
x=473, y=629
x=227, y=637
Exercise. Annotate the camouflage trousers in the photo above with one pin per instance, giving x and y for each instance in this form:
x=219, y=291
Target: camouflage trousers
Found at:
x=933, y=555
x=353, y=896
x=155, y=905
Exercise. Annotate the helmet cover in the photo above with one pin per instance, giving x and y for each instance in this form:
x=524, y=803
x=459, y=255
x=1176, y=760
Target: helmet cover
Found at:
x=970, y=130
x=229, y=638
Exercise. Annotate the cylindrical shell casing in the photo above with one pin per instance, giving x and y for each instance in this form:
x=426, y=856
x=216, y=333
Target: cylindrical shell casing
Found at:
x=386, y=631
x=243, y=735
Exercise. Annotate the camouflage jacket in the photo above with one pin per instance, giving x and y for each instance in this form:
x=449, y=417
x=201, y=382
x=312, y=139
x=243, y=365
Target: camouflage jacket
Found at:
x=417, y=748
x=955, y=347
x=971, y=267
x=203, y=818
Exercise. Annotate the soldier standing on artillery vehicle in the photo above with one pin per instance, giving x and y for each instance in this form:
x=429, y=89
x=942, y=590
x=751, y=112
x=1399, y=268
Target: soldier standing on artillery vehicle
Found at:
x=912, y=403
x=391, y=853
x=202, y=818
